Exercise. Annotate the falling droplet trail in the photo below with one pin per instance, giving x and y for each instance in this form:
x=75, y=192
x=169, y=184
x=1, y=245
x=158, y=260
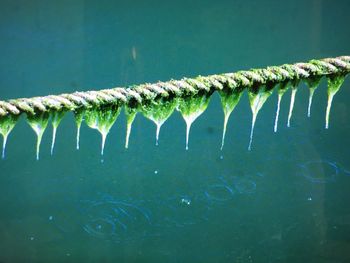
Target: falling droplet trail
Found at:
x=188, y=128
x=310, y=102
x=130, y=117
x=159, y=125
x=103, y=141
x=252, y=131
x=78, y=136
x=54, y=129
x=78, y=114
x=291, y=106
x=226, y=117
x=4, y=146
x=277, y=112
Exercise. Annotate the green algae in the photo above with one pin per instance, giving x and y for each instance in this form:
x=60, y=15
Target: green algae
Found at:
x=313, y=84
x=130, y=114
x=56, y=118
x=38, y=122
x=159, y=111
x=102, y=119
x=7, y=123
x=257, y=98
x=334, y=84
x=191, y=107
x=282, y=88
x=229, y=100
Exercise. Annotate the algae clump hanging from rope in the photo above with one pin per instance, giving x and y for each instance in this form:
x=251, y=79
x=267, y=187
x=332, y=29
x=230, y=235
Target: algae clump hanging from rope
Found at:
x=189, y=96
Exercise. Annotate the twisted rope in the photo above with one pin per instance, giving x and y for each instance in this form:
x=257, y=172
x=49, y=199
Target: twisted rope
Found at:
x=146, y=92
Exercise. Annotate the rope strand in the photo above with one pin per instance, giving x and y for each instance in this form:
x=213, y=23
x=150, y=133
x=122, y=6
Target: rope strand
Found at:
x=139, y=93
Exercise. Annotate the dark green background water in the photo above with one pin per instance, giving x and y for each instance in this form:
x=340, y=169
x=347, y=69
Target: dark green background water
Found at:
x=285, y=201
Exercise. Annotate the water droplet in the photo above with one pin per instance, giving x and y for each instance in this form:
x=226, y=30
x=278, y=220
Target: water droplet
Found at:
x=159, y=111
x=56, y=118
x=229, y=100
x=334, y=84
x=7, y=123
x=257, y=98
x=186, y=201
x=38, y=122
x=191, y=108
x=156, y=172
x=102, y=119
x=292, y=100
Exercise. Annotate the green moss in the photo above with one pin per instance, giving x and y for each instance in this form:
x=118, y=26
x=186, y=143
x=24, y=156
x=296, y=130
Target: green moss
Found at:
x=130, y=114
x=159, y=111
x=312, y=83
x=38, y=122
x=229, y=100
x=191, y=108
x=7, y=123
x=257, y=99
x=56, y=118
x=102, y=119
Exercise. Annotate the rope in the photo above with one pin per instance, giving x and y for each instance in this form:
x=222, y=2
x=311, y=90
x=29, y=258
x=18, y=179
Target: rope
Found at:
x=140, y=94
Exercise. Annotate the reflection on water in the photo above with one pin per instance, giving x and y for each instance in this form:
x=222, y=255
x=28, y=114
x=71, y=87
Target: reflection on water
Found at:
x=110, y=218
x=319, y=171
x=115, y=220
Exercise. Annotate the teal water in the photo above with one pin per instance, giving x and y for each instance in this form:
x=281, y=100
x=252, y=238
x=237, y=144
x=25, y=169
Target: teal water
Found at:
x=286, y=200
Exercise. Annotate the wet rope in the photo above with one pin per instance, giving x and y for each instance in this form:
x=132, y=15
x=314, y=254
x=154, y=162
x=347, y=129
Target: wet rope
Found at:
x=176, y=88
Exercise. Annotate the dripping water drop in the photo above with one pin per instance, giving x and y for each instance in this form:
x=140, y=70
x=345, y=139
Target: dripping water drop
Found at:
x=291, y=106
x=277, y=112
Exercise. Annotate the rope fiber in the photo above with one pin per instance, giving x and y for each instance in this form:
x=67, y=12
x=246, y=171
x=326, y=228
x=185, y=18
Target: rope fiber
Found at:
x=140, y=94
